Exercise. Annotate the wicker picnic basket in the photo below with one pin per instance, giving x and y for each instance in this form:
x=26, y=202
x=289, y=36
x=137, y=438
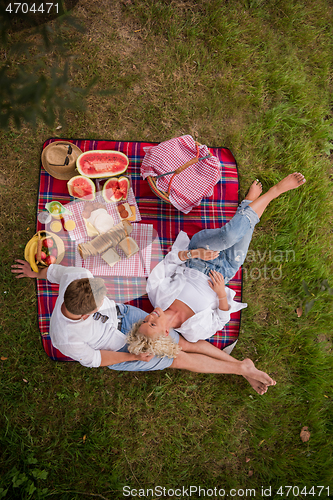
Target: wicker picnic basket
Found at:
x=164, y=195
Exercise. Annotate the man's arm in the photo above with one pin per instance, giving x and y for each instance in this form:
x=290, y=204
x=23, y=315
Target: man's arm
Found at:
x=23, y=270
x=112, y=357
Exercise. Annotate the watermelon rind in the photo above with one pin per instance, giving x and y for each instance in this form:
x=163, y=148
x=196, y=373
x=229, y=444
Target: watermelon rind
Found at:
x=102, y=163
x=74, y=187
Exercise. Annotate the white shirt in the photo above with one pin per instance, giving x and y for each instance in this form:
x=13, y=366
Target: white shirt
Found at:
x=168, y=279
x=82, y=339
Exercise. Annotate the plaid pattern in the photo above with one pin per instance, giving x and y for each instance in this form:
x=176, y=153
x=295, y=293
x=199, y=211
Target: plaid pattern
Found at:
x=190, y=186
x=76, y=208
x=167, y=222
x=136, y=265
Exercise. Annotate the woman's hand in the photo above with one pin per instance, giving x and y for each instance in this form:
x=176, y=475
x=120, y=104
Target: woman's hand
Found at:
x=217, y=283
x=198, y=253
x=23, y=269
x=204, y=254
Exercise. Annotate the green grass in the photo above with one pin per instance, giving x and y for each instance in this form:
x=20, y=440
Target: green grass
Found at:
x=250, y=75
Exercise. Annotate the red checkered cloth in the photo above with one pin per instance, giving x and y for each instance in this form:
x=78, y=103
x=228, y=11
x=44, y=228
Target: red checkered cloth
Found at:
x=167, y=222
x=76, y=208
x=191, y=185
x=137, y=265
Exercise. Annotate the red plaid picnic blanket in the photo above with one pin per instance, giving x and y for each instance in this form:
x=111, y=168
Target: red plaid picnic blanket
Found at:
x=167, y=222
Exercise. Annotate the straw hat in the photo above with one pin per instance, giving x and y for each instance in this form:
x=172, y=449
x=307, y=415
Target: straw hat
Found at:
x=59, y=159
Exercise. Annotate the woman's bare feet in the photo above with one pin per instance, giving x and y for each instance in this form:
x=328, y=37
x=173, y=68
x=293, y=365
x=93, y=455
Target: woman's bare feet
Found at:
x=254, y=191
x=258, y=379
x=259, y=387
x=292, y=181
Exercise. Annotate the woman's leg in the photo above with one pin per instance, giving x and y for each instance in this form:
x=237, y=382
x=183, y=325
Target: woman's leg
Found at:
x=292, y=181
x=201, y=363
x=226, y=236
x=237, y=253
x=235, y=230
x=232, y=240
x=244, y=220
x=208, y=349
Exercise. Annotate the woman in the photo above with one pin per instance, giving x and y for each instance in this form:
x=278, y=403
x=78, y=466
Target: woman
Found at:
x=187, y=289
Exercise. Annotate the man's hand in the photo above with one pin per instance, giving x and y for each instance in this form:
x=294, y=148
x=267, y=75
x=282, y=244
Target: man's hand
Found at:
x=217, y=283
x=23, y=269
x=144, y=356
x=113, y=357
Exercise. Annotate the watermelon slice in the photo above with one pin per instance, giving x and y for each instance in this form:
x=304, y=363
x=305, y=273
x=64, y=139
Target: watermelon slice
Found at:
x=115, y=189
x=117, y=195
x=81, y=187
x=124, y=186
x=99, y=164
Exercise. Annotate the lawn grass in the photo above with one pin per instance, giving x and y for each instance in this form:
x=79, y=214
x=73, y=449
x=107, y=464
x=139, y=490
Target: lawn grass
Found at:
x=250, y=75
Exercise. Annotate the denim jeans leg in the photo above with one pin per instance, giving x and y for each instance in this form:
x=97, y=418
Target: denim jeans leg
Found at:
x=236, y=254
x=232, y=240
x=130, y=315
x=228, y=235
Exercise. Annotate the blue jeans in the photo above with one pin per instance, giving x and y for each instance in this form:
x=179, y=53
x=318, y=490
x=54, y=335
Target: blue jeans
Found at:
x=131, y=315
x=232, y=240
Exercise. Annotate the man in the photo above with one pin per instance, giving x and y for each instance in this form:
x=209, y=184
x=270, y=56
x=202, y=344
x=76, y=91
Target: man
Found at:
x=90, y=328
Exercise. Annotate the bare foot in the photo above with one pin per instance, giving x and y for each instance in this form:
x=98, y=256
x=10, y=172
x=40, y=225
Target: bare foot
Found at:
x=250, y=371
x=259, y=387
x=254, y=191
x=292, y=181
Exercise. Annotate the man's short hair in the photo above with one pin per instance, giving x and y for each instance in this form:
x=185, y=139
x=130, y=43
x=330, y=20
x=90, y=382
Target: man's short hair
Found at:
x=163, y=346
x=84, y=295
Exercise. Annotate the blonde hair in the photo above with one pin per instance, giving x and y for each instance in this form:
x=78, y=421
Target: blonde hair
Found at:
x=84, y=295
x=163, y=346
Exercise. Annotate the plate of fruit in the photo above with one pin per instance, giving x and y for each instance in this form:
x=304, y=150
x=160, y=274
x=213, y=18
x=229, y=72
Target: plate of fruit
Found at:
x=43, y=249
